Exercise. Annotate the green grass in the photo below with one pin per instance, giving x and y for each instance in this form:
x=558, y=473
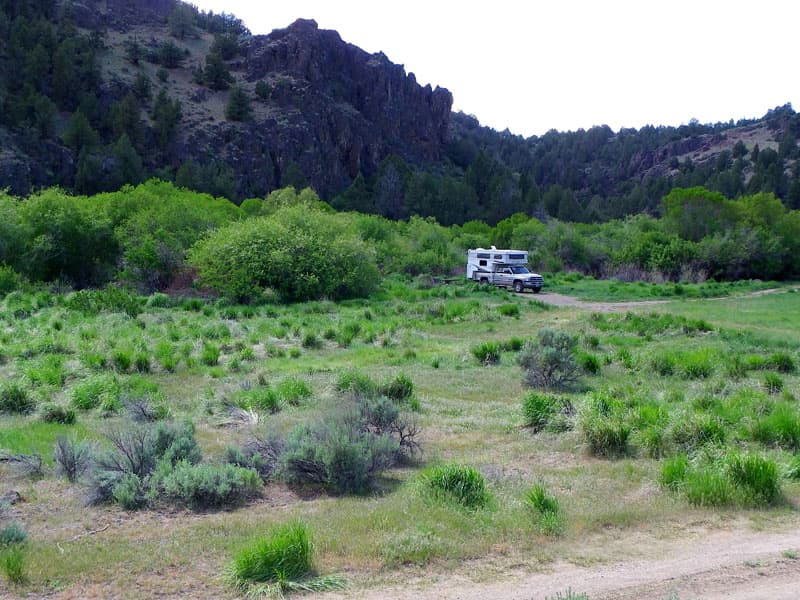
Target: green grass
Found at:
x=645, y=424
x=284, y=554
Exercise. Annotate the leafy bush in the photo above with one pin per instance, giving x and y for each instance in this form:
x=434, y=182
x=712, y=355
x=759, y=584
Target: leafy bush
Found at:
x=299, y=252
x=284, y=554
x=16, y=399
x=461, y=484
x=546, y=509
x=488, y=353
x=209, y=486
x=72, y=458
x=550, y=361
x=9, y=280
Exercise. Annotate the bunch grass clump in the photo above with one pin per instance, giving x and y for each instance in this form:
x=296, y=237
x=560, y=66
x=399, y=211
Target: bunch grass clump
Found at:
x=546, y=509
x=461, y=484
x=732, y=479
x=488, y=353
x=284, y=554
x=14, y=398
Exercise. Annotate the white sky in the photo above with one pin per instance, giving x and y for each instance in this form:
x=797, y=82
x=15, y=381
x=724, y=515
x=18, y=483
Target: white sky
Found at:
x=531, y=66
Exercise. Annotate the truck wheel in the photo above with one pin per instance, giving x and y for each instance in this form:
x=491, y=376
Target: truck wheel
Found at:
x=537, y=290
x=484, y=281
x=518, y=287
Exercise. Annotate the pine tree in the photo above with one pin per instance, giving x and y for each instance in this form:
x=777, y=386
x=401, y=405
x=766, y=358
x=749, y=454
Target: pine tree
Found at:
x=216, y=74
x=238, y=108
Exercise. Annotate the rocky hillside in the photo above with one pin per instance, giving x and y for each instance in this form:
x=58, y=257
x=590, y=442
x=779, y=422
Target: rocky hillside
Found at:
x=99, y=93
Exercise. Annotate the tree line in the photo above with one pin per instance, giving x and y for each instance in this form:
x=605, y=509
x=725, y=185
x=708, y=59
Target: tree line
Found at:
x=296, y=247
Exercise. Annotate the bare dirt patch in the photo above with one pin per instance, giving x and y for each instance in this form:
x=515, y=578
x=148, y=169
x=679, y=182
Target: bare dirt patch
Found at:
x=736, y=564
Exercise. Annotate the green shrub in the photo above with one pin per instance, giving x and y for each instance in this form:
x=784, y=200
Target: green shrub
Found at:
x=513, y=344
x=210, y=486
x=606, y=435
x=757, y=475
x=695, y=431
x=538, y=410
x=311, y=341
x=697, y=364
x=9, y=280
x=589, y=363
x=546, y=508
x=782, y=361
x=95, y=391
x=293, y=390
x=339, y=453
x=508, y=310
x=664, y=363
x=141, y=362
x=550, y=361
x=300, y=252
x=708, y=487
x=653, y=440
x=773, y=383
x=122, y=359
x=16, y=399
x=488, y=353
x=55, y=413
x=356, y=383
x=674, y=471
x=261, y=398
x=12, y=564
x=781, y=427
x=129, y=492
x=13, y=533
x=461, y=484
x=399, y=389
x=284, y=554
x=209, y=356
x=165, y=355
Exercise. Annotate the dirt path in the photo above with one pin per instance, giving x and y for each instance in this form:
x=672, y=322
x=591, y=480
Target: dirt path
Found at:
x=737, y=565
x=560, y=300
x=555, y=299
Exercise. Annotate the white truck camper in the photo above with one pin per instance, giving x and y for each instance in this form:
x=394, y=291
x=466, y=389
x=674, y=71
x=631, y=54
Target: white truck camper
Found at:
x=503, y=268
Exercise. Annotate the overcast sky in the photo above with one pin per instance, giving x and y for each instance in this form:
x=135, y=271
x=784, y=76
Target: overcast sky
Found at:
x=531, y=66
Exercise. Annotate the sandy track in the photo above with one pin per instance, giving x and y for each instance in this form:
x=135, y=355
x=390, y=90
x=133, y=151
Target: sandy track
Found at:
x=736, y=565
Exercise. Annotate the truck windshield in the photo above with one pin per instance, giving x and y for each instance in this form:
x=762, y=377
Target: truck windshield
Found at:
x=519, y=270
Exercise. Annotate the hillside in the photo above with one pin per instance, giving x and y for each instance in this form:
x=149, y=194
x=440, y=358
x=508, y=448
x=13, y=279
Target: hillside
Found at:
x=117, y=91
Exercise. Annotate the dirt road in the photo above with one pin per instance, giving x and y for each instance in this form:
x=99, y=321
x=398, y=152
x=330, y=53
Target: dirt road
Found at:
x=737, y=564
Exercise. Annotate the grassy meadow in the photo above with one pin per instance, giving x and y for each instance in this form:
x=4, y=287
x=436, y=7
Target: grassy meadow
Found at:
x=678, y=415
